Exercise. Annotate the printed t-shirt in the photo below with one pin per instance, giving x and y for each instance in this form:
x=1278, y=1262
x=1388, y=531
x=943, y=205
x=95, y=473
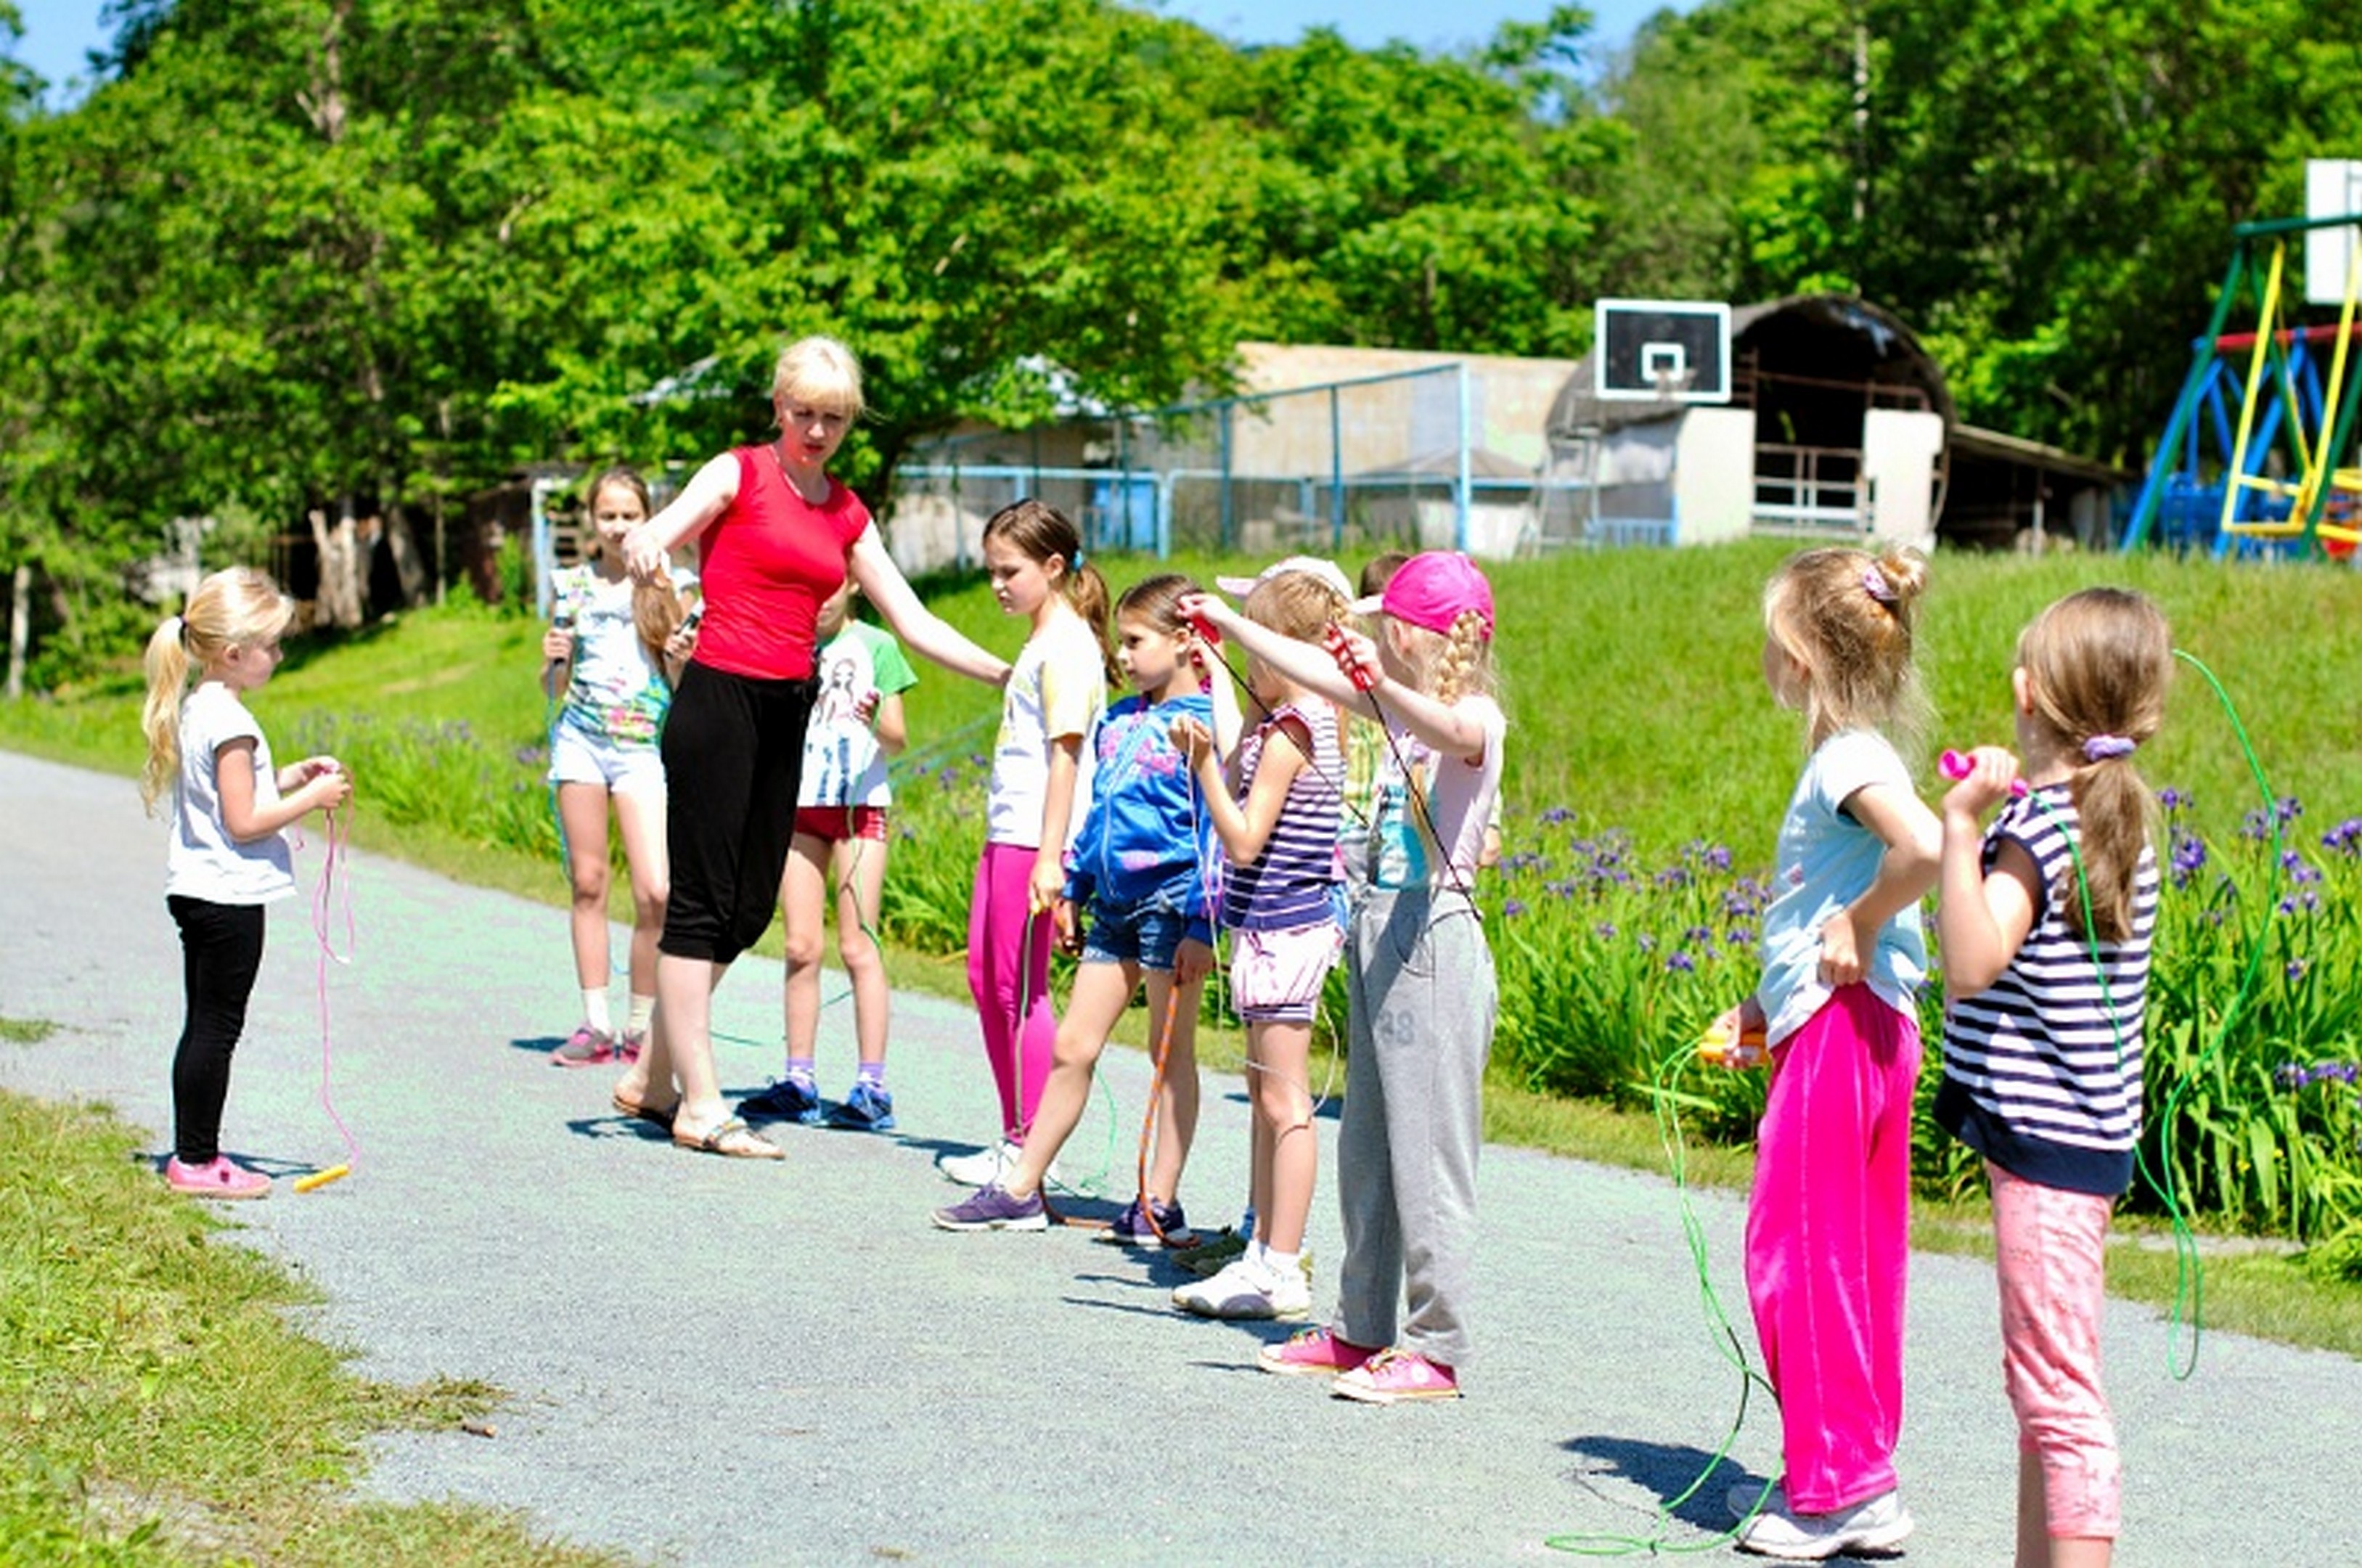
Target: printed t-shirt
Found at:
x=844, y=765
x=1056, y=687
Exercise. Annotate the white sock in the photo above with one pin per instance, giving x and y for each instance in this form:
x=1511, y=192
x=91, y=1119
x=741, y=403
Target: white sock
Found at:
x=642, y=1010
x=1282, y=1265
x=594, y=1010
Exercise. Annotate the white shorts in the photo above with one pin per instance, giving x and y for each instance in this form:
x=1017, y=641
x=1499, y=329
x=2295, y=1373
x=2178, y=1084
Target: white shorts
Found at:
x=579, y=758
x=1276, y=976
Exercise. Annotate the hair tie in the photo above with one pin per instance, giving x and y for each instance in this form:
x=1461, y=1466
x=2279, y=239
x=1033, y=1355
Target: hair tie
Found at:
x=181, y=629
x=1874, y=584
x=2101, y=748
x=1080, y=562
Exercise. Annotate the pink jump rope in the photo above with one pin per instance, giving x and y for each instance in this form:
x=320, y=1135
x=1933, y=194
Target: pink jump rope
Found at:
x=322, y=897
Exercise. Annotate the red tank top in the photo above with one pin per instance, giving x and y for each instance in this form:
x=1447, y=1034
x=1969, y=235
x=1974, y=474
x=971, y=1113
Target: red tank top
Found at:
x=765, y=565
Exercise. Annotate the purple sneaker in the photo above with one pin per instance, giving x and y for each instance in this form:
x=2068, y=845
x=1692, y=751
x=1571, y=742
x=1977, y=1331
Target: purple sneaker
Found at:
x=991, y=1208
x=1145, y=1222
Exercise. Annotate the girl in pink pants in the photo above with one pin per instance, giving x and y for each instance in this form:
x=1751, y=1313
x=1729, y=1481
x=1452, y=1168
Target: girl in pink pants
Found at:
x=1828, y=1221
x=1055, y=693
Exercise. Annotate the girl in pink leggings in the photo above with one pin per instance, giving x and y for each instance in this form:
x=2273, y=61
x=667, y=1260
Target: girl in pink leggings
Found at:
x=1828, y=1220
x=1056, y=691
x=2046, y=918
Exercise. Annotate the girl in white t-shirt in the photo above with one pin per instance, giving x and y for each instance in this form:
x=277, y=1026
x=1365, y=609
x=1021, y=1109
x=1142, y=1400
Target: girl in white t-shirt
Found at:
x=1828, y=1220
x=854, y=729
x=1034, y=557
x=610, y=654
x=228, y=858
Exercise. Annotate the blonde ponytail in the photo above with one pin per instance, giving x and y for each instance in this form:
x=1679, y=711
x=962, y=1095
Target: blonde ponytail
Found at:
x=167, y=663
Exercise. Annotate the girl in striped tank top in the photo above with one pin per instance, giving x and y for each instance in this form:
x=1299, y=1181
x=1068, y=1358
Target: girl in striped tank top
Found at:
x=1283, y=900
x=2045, y=921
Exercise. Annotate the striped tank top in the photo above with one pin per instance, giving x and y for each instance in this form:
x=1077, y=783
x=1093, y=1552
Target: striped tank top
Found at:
x=1294, y=881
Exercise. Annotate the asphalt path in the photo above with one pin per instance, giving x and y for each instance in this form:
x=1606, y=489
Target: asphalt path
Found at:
x=711, y=1361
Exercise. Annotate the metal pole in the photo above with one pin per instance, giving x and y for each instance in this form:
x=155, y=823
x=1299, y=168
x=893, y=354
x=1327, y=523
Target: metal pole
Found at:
x=2185, y=407
x=1336, y=474
x=1229, y=535
x=1460, y=483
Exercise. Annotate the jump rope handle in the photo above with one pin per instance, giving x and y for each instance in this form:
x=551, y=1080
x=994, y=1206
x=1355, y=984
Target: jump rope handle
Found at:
x=1206, y=631
x=1715, y=1047
x=1955, y=766
x=562, y=622
x=1357, y=672
x=696, y=613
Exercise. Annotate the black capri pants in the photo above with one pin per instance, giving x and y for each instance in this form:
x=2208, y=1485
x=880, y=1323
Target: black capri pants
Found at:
x=734, y=755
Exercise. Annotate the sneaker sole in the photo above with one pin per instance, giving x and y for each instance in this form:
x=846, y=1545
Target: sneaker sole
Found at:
x=846, y=1125
x=1882, y=1541
x=1031, y=1222
x=1363, y=1395
x=1279, y=1368
x=1234, y=1311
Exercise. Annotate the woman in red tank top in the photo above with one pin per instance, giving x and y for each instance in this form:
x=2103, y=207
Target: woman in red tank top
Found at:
x=776, y=536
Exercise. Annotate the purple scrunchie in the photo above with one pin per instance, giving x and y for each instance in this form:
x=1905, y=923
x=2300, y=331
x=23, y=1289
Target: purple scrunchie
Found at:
x=2100, y=748
x=1874, y=584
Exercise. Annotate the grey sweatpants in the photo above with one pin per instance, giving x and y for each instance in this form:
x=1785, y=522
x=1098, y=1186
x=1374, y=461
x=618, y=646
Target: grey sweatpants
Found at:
x=1423, y=998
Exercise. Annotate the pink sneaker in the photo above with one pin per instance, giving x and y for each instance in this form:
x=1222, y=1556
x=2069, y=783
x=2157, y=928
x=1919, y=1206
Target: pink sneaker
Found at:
x=586, y=1047
x=217, y=1178
x=1315, y=1352
x=628, y=1049
x=1392, y=1376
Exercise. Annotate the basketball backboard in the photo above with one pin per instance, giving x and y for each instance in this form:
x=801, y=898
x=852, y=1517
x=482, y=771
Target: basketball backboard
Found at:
x=1662, y=350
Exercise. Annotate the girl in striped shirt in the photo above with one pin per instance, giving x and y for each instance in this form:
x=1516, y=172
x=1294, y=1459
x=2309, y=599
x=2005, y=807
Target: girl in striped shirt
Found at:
x=2045, y=921
x=1283, y=900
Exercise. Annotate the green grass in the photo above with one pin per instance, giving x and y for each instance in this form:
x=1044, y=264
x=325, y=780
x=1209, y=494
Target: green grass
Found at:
x=155, y=1406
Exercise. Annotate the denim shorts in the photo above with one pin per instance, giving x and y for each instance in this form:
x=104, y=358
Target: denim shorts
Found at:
x=1147, y=934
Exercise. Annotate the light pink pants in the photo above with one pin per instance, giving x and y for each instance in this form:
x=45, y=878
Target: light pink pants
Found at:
x=2050, y=1254
x=1009, y=968
x=1828, y=1244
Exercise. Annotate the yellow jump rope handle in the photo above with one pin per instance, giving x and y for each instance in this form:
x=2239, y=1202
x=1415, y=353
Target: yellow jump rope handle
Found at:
x=1716, y=1047
x=321, y=1178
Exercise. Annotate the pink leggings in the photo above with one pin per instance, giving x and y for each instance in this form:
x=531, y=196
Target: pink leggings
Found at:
x=1002, y=963
x=1829, y=1242
x=2051, y=1246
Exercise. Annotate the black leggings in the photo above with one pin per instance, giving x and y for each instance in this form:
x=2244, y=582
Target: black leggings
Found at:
x=221, y=951
x=734, y=755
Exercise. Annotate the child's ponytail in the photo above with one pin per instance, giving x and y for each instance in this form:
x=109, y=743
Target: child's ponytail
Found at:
x=2096, y=667
x=1466, y=668
x=167, y=663
x=1086, y=590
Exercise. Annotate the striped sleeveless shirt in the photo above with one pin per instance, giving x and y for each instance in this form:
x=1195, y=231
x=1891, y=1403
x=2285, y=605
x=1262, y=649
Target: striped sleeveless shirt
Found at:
x=1293, y=882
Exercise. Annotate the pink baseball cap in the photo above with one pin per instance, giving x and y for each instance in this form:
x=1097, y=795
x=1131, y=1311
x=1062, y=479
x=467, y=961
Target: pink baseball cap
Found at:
x=1433, y=589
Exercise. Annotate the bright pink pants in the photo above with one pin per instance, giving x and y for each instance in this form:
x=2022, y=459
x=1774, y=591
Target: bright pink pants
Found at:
x=2050, y=1247
x=1008, y=970
x=1828, y=1244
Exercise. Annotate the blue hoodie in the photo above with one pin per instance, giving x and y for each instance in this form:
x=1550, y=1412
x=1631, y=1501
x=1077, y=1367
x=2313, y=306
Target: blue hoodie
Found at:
x=1136, y=847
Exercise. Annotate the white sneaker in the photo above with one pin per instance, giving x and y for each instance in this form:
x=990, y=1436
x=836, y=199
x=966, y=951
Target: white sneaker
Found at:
x=1248, y=1290
x=1875, y=1525
x=1747, y=1498
x=982, y=1168
x=987, y=1166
